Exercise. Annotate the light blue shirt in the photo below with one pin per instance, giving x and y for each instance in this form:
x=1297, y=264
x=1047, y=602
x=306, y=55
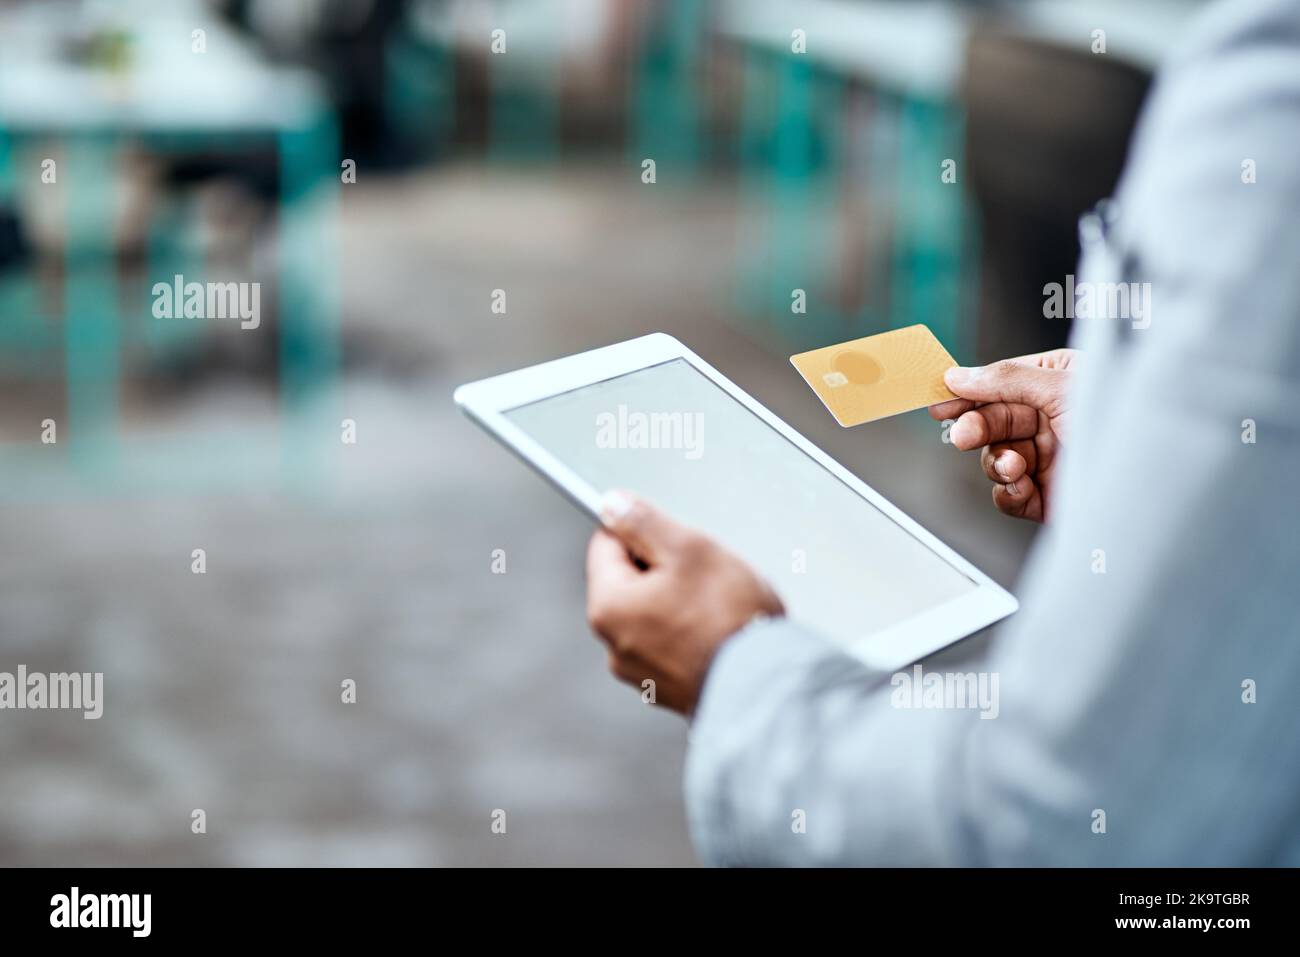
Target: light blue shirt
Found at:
x=1148, y=714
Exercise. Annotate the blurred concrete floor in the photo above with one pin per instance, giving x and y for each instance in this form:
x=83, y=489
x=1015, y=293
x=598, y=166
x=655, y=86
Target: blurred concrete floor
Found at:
x=476, y=692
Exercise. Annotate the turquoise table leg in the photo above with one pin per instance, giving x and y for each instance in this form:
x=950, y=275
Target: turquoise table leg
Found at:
x=523, y=111
x=92, y=324
x=420, y=92
x=665, y=107
x=794, y=199
x=930, y=227
x=309, y=332
x=805, y=180
x=754, y=149
x=7, y=173
x=789, y=145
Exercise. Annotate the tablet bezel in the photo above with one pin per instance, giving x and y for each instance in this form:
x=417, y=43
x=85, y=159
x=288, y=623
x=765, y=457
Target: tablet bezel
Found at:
x=487, y=401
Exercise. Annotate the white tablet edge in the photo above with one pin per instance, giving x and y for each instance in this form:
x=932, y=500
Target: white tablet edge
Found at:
x=897, y=646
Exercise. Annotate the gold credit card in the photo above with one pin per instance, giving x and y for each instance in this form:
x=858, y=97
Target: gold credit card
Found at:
x=878, y=376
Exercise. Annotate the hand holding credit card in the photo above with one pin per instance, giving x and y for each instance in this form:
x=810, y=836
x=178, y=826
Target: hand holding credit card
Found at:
x=878, y=376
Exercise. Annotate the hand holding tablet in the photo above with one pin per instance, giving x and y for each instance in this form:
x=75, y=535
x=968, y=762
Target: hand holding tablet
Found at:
x=665, y=612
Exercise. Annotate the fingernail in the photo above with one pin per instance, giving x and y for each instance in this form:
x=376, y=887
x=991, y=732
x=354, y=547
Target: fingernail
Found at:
x=614, y=505
x=958, y=376
x=1011, y=487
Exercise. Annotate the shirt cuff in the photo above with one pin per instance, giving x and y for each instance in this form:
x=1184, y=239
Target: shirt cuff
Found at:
x=751, y=673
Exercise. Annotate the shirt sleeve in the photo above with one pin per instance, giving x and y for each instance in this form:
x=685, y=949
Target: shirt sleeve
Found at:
x=794, y=759
x=1145, y=713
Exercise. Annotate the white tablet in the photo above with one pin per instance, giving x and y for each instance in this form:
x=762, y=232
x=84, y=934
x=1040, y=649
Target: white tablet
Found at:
x=651, y=416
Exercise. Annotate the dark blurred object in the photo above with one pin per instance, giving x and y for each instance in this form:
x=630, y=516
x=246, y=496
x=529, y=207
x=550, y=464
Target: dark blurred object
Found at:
x=346, y=42
x=14, y=249
x=352, y=46
x=1047, y=133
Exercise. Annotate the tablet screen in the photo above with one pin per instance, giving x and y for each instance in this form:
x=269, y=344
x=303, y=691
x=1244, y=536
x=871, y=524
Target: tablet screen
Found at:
x=673, y=436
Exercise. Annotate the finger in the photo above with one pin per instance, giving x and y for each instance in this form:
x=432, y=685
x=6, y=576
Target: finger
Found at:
x=1052, y=359
x=1062, y=358
x=611, y=575
x=995, y=422
x=1010, y=380
x=623, y=669
x=1004, y=462
x=1020, y=499
x=769, y=602
x=646, y=532
x=617, y=590
x=950, y=408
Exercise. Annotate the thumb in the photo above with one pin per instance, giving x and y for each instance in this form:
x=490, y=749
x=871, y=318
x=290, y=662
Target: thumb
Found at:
x=648, y=533
x=1008, y=381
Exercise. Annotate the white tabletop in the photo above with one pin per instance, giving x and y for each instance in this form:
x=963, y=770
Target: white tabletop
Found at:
x=164, y=85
